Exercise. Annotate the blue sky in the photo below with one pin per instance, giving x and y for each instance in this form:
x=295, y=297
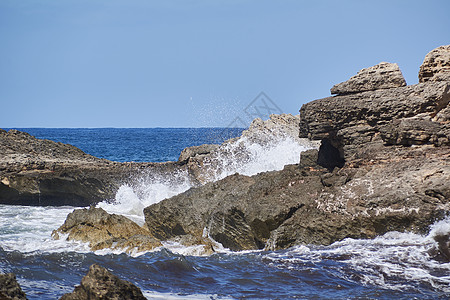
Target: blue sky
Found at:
x=188, y=63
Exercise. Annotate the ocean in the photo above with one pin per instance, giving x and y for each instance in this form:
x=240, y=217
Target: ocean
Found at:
x=395, y=265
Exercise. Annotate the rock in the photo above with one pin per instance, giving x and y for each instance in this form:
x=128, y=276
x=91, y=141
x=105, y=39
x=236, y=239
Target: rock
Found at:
x=99, y=283
x=383, y=165
x=351, y=122
x=382, y=76
x=230, y=155
x=42, y=172
x=196, y=150
x=415, y=131
x=10, y=288
x=102, y=230
x=436, y=65
x=239, y=211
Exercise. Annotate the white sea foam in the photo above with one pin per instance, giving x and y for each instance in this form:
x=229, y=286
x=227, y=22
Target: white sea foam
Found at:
x=387, y=261
x=28, y=229
x=244, y=156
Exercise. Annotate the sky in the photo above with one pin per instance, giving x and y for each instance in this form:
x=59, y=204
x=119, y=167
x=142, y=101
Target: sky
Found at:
x=196, y=63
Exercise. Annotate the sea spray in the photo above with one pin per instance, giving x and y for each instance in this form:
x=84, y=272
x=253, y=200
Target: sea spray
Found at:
x=245, y=155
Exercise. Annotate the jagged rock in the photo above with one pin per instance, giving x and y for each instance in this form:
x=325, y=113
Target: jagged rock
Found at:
x=382, y=76
x=43, y=172
x=374, y=184
x=351, y=122
x=234, y=152
x=196, y=150
x=10, y=288
x=99, y=283
x=238, y=211
x=102, y=230
x=436, y=65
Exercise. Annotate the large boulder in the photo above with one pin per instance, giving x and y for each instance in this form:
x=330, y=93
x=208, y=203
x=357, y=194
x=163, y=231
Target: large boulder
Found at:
x=382, y=76
x=436, y=65
x=10, y=288
x=99, y=283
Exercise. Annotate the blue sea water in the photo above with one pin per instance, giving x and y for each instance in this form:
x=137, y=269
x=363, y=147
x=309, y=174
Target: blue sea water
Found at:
x=396, y=265
x=135, y=144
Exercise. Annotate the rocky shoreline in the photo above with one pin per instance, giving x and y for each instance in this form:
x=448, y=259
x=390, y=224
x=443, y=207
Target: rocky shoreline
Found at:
x=383, y=165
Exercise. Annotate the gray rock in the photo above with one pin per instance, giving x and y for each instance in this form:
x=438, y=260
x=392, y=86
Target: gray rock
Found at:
x=382, y=76
x=10, y=288
x=99, y=283
x=436, y=65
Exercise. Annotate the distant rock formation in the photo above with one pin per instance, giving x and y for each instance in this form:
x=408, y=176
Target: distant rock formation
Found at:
x=99, y=283
x=436, y=65
x=10, y=288
x=42, y=172
x=382, y=76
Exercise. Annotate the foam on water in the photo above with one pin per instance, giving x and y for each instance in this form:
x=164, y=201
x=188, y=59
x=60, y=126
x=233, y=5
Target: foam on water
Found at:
x=28, y=229
x=389, y=261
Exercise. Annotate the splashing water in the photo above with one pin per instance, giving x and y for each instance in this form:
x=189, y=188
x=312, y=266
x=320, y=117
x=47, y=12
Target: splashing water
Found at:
x=244, y=156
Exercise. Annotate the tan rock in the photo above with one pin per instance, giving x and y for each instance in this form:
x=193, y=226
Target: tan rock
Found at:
x=382, y=76
x=102, y=230
x=436, y=65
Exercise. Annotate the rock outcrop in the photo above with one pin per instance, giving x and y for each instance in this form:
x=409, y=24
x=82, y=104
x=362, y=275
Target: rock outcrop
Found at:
x=382, y=76
x=43, y=172
x=99, y=283
x=10, y=288
x=436, y=65
x=383, y=165
x=102, y=230
x=209, y=163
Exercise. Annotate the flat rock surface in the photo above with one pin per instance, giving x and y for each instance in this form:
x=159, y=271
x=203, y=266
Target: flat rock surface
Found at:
x=382, y=76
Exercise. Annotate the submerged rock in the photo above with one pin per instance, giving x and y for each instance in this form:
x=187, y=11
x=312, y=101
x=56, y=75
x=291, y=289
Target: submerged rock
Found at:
x=382, y=76
x=10, y=288
x=102, y=230
x=436, y=65
x=99, y=283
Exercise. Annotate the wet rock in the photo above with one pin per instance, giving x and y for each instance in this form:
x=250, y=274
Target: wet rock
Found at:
x=10, y=288
x=196, y=150
x=382, y=76
x=436, y=65
x=99, y=283
x=102, y=230
x=234, y=153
